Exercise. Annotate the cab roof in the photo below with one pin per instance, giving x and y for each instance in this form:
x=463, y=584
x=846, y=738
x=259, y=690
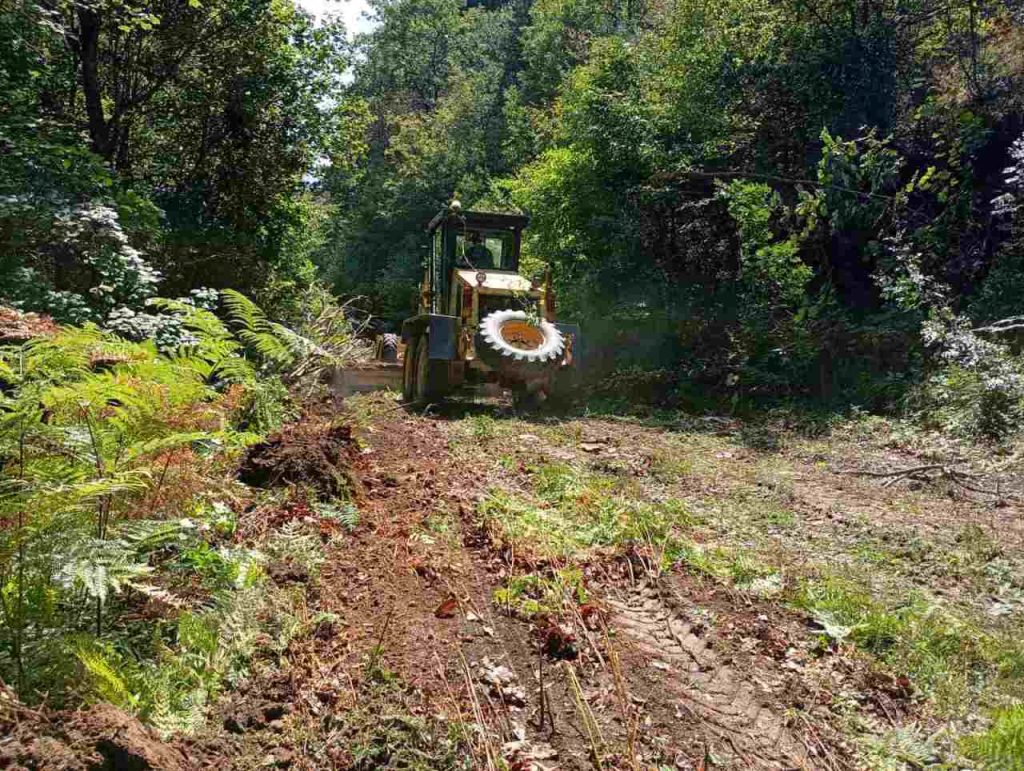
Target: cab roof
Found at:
x=483, y=220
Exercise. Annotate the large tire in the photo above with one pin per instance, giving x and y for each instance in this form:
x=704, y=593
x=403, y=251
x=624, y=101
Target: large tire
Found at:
x=511, y=336
x=422, y=372
x=431, y=377
x=387, y=348
x=409, y=371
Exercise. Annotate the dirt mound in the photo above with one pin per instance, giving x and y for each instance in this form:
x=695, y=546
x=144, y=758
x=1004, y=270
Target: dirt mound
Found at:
x=317, y=456
x=101, y=737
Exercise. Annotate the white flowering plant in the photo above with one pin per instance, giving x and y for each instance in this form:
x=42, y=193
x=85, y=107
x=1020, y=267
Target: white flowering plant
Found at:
x=75, y=262
x=976, y=386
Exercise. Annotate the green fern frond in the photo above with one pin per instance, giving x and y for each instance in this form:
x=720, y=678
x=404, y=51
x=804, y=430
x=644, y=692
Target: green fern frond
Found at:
x=101, y=667
x=164, y=443
x=234, y=369
x=101, y=567
x=258, y=333
x=197, y=635
x=142, y=536
x=345, y=513
x=200, y=321
x=1002, y=745
x=244, y=312
x=89, y=492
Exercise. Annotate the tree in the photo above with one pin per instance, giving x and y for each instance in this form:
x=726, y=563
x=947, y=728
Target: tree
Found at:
x=201, y=119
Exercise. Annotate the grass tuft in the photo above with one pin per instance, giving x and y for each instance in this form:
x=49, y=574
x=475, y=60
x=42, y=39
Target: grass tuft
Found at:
x=1002, y=745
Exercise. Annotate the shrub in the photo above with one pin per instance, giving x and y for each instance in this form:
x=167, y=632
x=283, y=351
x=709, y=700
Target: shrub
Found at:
x=106, y=272
x=108, y=449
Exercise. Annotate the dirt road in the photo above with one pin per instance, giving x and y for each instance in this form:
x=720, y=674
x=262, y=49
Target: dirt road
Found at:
x=544, y=593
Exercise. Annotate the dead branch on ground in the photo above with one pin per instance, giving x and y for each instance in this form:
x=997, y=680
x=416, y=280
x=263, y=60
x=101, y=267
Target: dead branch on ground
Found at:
x=930, y=473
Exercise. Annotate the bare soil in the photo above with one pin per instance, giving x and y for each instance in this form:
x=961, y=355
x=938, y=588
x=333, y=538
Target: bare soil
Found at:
x=99, y=738
x=311, y=453
x=412, y=664
x=670, y=670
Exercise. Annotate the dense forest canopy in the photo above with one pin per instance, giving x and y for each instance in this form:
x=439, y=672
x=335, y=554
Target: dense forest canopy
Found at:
x=158, y=144
x=739, y=200
x=760, y=197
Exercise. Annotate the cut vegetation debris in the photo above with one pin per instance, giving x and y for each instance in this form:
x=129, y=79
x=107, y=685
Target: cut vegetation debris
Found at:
x=474, y=590
x=879, y=577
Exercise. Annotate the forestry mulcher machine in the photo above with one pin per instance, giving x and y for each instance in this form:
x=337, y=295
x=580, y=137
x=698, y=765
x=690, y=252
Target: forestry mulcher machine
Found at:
x=479, y=320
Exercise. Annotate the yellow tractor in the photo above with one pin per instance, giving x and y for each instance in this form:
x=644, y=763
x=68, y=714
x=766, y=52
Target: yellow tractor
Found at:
x=479, y=320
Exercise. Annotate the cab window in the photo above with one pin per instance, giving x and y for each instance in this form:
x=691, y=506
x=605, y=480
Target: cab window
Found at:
x=485, y=250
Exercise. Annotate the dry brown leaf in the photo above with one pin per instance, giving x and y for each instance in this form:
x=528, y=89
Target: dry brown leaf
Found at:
x=447, y=608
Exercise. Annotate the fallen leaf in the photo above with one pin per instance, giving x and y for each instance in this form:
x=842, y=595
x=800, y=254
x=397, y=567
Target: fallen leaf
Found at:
x=559, y=642
x=447, y=608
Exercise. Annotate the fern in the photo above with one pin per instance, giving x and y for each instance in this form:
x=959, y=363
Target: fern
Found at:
x=273, y=343
x=94, y=430
x=102, y=669
x=101, y=567
x=294, y=543
x=902, y=747
x=144, y=536
x=214, y=351
x=164, y=443
x=346, y=514
x=197, y=635
x=1002, y=746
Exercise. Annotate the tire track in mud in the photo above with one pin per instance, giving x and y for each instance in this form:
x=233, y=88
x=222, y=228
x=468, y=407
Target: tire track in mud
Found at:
x=735, y=717
x=696, y=699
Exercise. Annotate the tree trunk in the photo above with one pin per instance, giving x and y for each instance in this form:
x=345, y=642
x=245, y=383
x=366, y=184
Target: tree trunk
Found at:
x=88, y=54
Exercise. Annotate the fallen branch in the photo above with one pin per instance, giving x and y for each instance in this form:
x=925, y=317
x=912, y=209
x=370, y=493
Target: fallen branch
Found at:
x=929, y=472
x=892, y=477
x=896, y=474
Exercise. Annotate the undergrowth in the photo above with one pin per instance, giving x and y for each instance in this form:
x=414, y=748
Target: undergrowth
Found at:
x=569, y=510
x=1002, y=745
x=960, y=666
x=532, y=594
x=385, y=730
x=121, y=577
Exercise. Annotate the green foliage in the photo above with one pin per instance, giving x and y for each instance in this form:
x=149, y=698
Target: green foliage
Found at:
x=901, y=747
x=344, y=513
x=572, y=511
x=171, y=678
x=1002, y=745
x=531, y=595
x=973, y=402
x=219, y=568
x=946, y=657
x=168, y=141
x=721, y=189
x=107, y=448
x=771, y=269
x=295, y=544
x=268, y=405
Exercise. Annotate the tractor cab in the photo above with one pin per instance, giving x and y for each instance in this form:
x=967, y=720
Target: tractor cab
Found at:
x=479, y=319
x=473, y=252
